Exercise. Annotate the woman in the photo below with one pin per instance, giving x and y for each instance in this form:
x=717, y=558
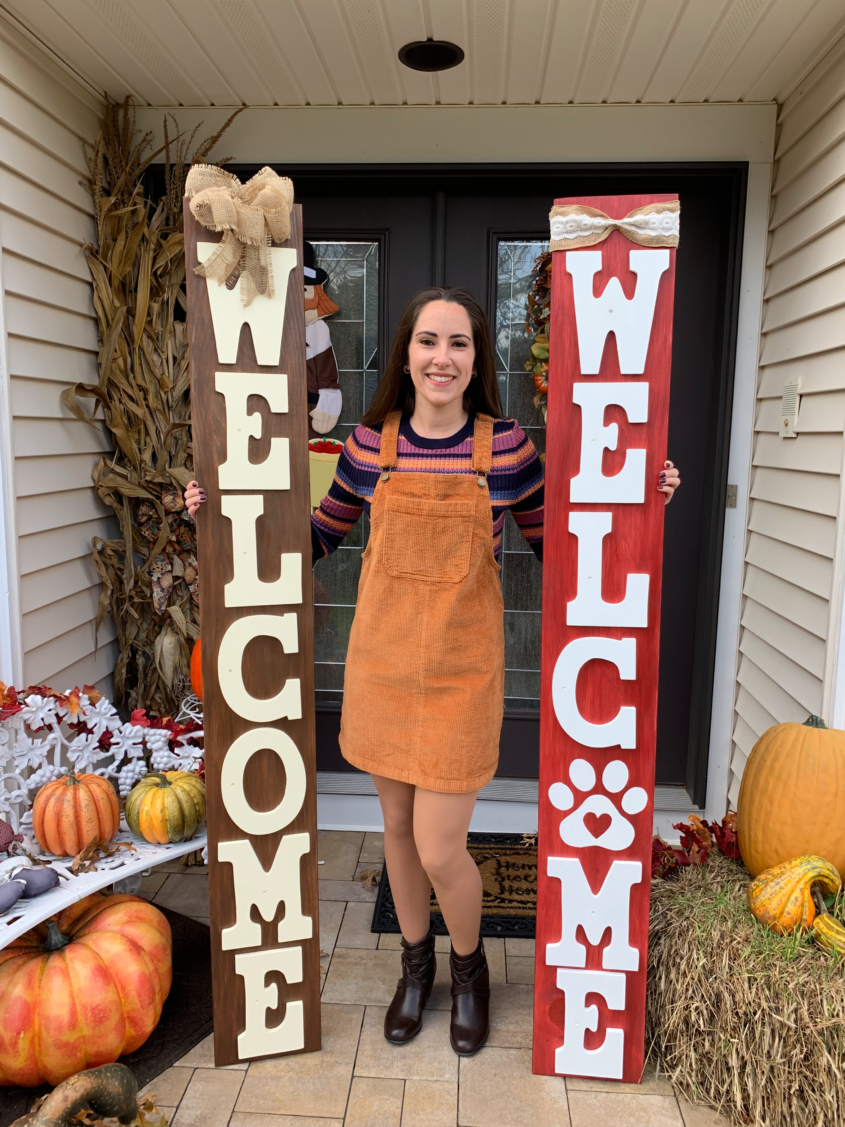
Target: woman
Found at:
x=436, y=466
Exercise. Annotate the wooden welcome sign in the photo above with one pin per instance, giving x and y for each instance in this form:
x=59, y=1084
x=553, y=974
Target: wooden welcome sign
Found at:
x=250, y=436
x=608, y=410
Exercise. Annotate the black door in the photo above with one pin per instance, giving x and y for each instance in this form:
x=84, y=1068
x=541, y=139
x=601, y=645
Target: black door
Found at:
x=384, y=233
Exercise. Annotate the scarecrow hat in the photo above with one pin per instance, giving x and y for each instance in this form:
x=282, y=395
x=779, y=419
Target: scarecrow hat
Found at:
x=314, y=275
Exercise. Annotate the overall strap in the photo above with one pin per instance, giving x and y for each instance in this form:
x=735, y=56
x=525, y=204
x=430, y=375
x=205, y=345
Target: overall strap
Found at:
x=482, y=445
x=389, y=441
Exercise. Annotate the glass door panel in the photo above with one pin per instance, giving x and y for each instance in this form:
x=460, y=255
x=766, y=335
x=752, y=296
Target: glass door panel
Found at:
x=353, y=285
x=521, y=573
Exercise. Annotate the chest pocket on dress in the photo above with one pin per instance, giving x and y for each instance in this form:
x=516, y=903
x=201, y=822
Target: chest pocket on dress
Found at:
x=428, y=539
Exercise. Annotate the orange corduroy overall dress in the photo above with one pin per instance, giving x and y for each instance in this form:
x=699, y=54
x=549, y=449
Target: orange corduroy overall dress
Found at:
x=424, y=684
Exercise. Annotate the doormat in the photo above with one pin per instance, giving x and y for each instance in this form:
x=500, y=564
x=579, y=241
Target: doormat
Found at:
x=185, y=1017
x=508, y=867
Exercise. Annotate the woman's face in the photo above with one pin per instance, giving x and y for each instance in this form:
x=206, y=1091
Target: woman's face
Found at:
x=441, y=353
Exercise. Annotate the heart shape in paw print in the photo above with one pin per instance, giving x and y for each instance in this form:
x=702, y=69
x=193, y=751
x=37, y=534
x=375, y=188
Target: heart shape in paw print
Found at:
x=596, y=824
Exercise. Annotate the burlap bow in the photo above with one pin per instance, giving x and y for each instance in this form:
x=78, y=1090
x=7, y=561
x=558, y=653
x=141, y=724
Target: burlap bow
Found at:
x=251, y=217
x=576, y=225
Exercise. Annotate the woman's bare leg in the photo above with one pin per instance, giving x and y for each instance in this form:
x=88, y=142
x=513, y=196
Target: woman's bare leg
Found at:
x=409, y=882
x=441, y=824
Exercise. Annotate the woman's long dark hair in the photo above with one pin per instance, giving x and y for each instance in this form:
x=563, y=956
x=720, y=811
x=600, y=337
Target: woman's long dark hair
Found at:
x=396, y=389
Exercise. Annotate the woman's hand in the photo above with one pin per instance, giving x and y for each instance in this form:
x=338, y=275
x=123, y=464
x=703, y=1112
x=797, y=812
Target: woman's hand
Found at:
x=669, y=481
x=194, y=497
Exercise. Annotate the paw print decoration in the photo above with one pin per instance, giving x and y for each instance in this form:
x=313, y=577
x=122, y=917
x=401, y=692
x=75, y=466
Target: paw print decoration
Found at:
x=574, y=830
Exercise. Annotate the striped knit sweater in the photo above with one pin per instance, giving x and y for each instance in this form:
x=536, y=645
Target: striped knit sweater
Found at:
x=515, y=479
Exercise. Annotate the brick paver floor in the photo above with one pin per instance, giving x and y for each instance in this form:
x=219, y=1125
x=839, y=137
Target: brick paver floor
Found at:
x=359, y=1079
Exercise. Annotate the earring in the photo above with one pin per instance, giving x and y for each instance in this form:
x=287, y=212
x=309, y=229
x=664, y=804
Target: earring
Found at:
x=407, y=369
x=474, y=374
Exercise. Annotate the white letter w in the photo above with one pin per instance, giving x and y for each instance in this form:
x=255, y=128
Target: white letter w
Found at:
x=611, y=312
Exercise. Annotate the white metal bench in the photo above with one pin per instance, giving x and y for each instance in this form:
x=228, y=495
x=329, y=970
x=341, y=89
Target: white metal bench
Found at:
x=26, y=913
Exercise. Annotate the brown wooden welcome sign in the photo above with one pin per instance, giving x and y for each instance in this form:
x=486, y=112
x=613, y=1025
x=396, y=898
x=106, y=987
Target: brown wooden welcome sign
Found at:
x=250, y=434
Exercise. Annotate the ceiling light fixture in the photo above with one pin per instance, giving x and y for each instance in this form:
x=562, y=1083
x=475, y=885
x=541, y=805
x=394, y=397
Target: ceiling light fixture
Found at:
x=431, y=55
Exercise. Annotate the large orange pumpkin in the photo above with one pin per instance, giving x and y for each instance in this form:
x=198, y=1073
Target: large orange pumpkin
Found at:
x=196, y=669
x=82, y=989
x=792, y=797
x=74, y=810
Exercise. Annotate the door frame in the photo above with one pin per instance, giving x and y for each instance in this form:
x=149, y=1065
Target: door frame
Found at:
x=517, y=746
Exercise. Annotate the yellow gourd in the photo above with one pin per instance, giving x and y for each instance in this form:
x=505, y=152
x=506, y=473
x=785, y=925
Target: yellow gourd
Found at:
x=166, y=806
x=781, y=898
x=829, y=933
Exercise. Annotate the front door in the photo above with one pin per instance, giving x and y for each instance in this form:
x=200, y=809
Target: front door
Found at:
x=381, y=235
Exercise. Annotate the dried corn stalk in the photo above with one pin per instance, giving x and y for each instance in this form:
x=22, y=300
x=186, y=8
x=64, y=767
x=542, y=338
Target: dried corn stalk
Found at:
x=149, y=573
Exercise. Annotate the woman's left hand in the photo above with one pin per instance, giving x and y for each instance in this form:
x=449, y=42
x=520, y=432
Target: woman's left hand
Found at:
x=670, y=479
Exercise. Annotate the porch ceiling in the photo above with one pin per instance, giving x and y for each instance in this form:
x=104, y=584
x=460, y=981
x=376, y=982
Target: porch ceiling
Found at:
x=344, y=52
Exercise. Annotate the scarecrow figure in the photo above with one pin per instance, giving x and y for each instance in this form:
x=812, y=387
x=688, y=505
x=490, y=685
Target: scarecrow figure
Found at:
x=325, y=398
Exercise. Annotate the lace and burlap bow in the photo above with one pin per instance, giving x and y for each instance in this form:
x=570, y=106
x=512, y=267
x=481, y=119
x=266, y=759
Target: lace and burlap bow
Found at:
x=251, y=217
x=576, y=225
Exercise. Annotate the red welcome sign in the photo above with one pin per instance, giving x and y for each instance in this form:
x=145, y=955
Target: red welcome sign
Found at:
x=608, y=411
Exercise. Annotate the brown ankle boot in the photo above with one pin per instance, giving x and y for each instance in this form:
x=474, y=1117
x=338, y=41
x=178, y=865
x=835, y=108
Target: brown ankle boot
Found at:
x=470, y=1026
x=403, y=1019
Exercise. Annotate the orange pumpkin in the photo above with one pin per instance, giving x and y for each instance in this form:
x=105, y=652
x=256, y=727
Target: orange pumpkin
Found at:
x=196, y=670
x=792, y=797
x=82, y=989
x=781, y=898
x=74, y=810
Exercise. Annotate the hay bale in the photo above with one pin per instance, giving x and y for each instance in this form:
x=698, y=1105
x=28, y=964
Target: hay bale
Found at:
x=749, y=1022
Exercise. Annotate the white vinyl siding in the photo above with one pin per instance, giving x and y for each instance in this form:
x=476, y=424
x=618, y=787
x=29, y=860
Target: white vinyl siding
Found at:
x=46, y=216
x=793, y=553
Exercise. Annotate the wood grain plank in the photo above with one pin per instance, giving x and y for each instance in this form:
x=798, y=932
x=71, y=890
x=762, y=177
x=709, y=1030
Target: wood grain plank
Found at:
x=285, y=527
x=634, y=546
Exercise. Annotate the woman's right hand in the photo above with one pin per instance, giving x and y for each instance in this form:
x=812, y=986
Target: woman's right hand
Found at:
x=194, y=497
